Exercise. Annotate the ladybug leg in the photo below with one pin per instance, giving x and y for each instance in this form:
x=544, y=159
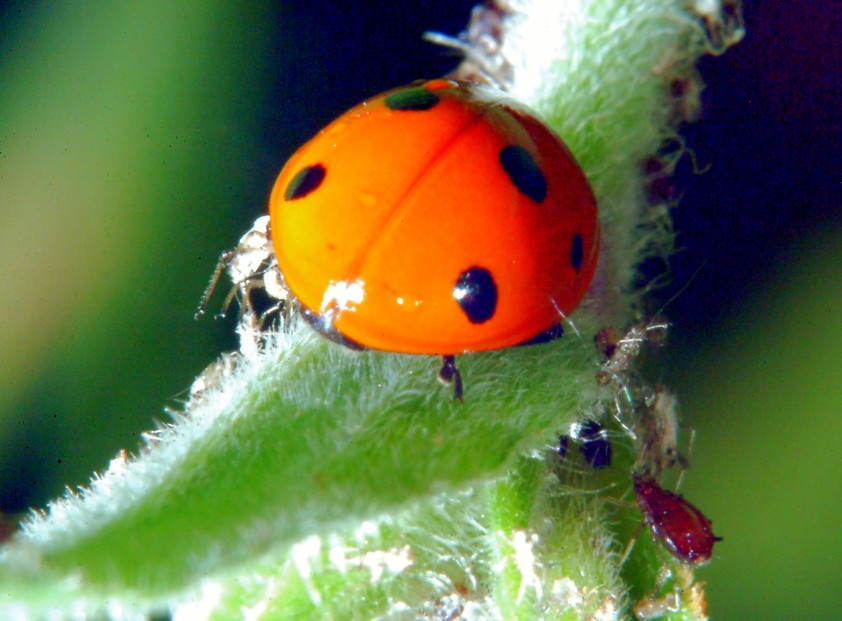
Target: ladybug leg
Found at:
x=449, y=374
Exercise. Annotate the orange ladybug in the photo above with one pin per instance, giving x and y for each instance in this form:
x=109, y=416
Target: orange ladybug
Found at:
x=437, y=218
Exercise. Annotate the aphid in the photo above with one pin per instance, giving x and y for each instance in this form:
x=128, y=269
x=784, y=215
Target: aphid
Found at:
x=593, y=443
x=680, y=526
x=620, y=352
x=251, y=265
x=657, y=432
x=482, y=45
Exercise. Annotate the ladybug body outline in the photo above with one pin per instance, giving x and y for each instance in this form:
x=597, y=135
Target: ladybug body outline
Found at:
x=437, y=218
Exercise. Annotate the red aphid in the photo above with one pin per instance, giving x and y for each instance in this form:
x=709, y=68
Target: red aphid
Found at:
x=682, y=528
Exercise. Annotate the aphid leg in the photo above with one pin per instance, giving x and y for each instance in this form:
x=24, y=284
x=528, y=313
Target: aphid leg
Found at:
x=251, y=266
x=224, y=261
x=630, y=544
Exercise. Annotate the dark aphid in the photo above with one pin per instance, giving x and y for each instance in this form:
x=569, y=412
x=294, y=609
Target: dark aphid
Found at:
x=679, y=525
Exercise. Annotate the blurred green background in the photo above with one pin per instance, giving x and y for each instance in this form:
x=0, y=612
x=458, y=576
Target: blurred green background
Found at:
x=139, y=140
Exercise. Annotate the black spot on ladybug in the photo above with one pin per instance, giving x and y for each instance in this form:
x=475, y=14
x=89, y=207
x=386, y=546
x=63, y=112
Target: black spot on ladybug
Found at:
x=524, y=172
x=411, y=99
x=577, y=252
x=476, y=293
x=305, y=181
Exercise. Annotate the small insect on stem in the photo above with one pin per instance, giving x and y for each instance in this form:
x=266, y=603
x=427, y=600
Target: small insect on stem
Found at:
x=251, y=265
x=596, y=448
x=657, y=431
x=650, y=417
x=593, y=442
x=482, y=46
x=681, y=526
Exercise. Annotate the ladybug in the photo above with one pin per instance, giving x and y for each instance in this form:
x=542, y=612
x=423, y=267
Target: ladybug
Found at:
x=437, y=218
